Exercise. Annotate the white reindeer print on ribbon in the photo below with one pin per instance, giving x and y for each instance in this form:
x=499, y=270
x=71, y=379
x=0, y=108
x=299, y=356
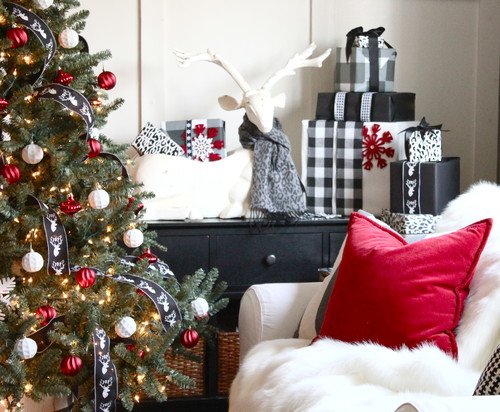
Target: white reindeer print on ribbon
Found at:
x=411, y=187
x=165, y=304
x=57, y=240
x=105, y=378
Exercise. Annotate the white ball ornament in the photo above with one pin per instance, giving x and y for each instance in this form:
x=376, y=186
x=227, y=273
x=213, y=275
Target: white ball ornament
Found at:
x=133, y=238
x=200, y=307
x=32, y=261
x=32, y=154
x=98, y=199
x=26, y=348
x=125, y=327
x=43, y=4
x=68, y=38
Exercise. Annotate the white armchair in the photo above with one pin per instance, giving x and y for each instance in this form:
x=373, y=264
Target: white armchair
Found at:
x=279, y=372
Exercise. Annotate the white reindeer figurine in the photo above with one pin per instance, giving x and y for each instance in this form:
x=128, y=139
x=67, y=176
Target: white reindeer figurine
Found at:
x=195, y=190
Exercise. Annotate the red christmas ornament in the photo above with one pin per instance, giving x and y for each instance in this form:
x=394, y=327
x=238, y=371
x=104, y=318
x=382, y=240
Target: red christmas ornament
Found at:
x=63, y=78
x=11, y=173
x=190, y=338
x=17, y=36
x=132, y=349
x=85, y=277
x=70, y=206
x=94, y=147
x=95, y=101
x=152, y=258
x=106, y=80
x=71, y=365
x=3, y=104
x=47, y=313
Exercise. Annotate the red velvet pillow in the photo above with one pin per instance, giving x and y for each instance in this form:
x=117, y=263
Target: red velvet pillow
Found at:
x=394, y=293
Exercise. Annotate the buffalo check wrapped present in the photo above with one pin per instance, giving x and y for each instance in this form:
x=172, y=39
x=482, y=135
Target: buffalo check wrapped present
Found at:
x=201, y=139
x=354, y=157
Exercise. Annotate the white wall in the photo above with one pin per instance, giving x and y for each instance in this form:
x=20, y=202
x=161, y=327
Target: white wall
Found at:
x=447, y=54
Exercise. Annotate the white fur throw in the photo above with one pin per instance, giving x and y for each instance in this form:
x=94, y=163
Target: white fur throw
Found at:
x=330, y=375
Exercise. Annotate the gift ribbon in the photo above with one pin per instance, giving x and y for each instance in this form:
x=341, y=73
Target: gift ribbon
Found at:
x=189, y=138
x=340, y=102
x=165, y=304
x=31, y=21
x=423, y=126
x=57, y=240
x=105, y=378
x=411, y=187
x=373, y=53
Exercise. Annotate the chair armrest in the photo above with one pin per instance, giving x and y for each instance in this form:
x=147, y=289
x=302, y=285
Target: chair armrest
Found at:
x=272, y=311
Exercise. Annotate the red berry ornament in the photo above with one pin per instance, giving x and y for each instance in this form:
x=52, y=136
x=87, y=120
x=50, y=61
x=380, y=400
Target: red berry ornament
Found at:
x=85, y=277
x=11, y=173
x=106, y=80
x=94, y=147
x=132, y=349
x=139, y=208
x=71, y=365
x=3, y=104
x=17, y=36
x=63, y=78
x=70, y=206
x=47, y=313
x=152, y=258
x=190, y=338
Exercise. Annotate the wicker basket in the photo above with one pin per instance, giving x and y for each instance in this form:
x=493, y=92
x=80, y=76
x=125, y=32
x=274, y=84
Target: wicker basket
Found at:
x=228, y=359
x=188, y=367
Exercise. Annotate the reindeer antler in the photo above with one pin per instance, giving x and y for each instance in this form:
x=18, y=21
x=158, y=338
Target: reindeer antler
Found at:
x=296, y=62
x=186, y=58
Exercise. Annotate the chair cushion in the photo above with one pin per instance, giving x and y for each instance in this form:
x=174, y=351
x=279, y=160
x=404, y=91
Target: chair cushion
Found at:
x=394, y=293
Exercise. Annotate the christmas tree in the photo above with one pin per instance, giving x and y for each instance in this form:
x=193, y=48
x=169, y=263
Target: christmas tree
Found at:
x=80, y=315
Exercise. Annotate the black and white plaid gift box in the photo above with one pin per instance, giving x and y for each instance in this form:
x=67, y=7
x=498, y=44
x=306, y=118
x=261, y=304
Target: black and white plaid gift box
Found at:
x=152, y=140
x=345, y=164
x=354, y=75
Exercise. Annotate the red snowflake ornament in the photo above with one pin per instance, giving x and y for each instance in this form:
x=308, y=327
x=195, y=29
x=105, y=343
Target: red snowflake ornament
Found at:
x=374, y=147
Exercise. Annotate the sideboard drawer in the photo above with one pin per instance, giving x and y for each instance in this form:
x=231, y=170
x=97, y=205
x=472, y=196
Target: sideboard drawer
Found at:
x=244, y=260
x=186, y=254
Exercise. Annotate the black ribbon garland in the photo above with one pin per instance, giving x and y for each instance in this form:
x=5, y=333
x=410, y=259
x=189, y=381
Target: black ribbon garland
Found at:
x=373, y=53
x=31, y=21
x=57, y=240
x=422, y=127
x=105, y=378
x=69, y=98
x=165, y=304
x=161, y=267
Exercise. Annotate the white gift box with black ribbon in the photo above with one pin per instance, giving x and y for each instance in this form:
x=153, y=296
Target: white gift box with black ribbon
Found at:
x=345, y=165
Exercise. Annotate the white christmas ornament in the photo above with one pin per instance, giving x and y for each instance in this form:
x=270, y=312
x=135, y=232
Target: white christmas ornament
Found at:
x=199, y=307
x=32, y=154
x=125, y=327
x=133, y=238
x=99, y=199
x=32, y=261
x=26, y=348
x=43, y=4
x=68, y=38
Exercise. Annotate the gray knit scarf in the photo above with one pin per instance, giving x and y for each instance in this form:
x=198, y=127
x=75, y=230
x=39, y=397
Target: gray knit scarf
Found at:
x=277, y=192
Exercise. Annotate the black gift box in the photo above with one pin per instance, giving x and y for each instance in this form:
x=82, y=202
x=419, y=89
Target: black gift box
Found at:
x=385, y=107
x=427, y=188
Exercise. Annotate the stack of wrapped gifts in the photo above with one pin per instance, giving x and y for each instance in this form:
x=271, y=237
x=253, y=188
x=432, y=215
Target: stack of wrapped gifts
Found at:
x=423, y=184
x=359, y=131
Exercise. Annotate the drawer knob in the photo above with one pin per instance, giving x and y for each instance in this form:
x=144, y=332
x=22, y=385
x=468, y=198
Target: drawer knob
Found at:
x=271, y=260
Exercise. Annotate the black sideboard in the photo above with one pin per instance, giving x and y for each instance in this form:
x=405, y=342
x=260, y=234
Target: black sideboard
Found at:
x=245, y=253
